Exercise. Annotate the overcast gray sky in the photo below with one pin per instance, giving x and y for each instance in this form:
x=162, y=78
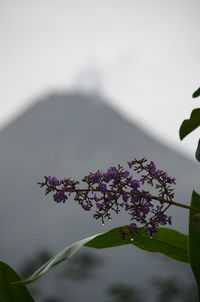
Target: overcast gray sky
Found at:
x=143, y=55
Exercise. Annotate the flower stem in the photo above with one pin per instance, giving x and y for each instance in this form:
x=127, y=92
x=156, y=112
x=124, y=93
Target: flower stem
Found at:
x=178, y=204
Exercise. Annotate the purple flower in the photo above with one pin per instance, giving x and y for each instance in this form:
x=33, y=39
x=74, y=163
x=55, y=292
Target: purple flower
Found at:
x=162, y=218
x=132, y=227
x=60, y=197
x=109, y=175
x=136, y=198
x=125, y=197
x=95, y=177
x=115, y=190
x=135, y=184
x=126, y=207
x=130, y=164
x=102, y=187
x=151, y=231
x=125, y=174
x=86, y=207
x=153, y=169
x=145, y=208
x=53, y=181
x=99, y=206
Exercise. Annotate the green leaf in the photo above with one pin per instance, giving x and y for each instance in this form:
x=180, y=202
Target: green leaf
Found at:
x=196, y=221
x=194, y=239
x=12, y=292
x=197, y=154
x=196, y=93
x=166, y=241
x=190, y=124
x=60, y=257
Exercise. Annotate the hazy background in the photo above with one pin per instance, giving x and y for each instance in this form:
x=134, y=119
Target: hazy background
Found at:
x=143, y=55
x=86, y=85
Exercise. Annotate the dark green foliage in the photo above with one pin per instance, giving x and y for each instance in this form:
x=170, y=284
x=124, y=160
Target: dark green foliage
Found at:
x=196, y=93
x=197, y=154
x=190, y=124
x=194, y=240
x=166, y=241
x=12, y=292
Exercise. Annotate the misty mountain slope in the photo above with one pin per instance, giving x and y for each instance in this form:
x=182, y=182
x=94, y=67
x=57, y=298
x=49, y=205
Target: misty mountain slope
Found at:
x=68, y=135
x=84, y=125
x=78, y=133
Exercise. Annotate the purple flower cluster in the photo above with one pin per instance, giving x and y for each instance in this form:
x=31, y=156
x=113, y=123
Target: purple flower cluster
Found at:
x=117, y=189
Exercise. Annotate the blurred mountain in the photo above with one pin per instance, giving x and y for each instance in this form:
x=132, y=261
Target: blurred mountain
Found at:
x=69, y=135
